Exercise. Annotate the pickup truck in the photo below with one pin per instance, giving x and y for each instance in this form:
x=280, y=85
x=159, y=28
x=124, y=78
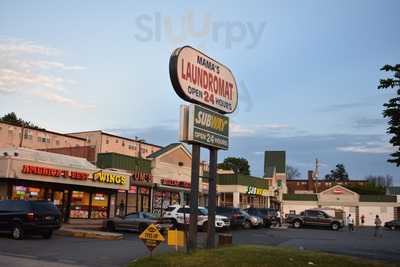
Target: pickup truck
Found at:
x=314, y=218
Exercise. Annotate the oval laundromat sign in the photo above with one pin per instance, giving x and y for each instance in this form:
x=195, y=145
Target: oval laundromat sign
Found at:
x=199, y=79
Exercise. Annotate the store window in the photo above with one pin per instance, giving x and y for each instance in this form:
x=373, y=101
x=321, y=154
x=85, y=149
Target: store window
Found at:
x=28, y=193
x=80, y=205
x=132, y=200
x=99, y=206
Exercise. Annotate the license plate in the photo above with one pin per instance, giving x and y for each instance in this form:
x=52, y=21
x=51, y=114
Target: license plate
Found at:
x=49, y=218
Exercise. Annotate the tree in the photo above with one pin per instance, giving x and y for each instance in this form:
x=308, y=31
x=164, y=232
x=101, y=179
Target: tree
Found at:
x=237, y=165
x=392, y=110
x=292, y=172
x=13, y=118
x=380, y=180
x=338, y=174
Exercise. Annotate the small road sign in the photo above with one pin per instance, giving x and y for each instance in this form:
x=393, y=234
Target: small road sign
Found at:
x=151, y=237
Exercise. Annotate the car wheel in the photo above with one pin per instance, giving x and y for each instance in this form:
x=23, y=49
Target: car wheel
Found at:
x=335, y=226
x=17, y=232
x=297, y=224
x=110, y=227
x=267, y=225
x=246, y=224
x=48, y=234
x=175, y=224
x=205, y=227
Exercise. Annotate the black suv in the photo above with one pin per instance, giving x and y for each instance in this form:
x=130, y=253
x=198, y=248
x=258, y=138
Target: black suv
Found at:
x=20, y=217
x=268, y=215
x=233, y=214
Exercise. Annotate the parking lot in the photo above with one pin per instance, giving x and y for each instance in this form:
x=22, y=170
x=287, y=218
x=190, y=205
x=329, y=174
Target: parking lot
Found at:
x=66, y=251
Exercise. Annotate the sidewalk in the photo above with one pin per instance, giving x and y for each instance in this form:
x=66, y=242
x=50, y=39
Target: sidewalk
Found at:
x=87, y=231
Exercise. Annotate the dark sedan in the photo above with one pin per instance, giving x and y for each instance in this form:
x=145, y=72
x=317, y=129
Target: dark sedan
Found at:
x=393, y=225
x=137, y=221
x=268, y=215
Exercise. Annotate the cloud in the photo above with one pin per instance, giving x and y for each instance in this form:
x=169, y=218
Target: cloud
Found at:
x=361, y=123
x=25, y=69
x=344, y=106
x=256, y=129
x=368, y=148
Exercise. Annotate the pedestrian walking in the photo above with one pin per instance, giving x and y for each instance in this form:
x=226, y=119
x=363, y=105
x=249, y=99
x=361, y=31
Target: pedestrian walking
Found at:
x=350, y=223
x=278, y=217
x=362, y=220
x=121, y=208
x=378, y=224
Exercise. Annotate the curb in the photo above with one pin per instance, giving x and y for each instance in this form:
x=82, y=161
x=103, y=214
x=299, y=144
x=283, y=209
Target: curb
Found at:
x=89, y=234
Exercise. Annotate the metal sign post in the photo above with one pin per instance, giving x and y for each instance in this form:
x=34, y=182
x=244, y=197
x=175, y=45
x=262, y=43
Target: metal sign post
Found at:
x=194, y=200
x=201, y=80
x=212, y=197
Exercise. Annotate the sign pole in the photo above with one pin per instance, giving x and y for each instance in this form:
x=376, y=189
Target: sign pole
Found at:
x=212, y=197
x=194, y=196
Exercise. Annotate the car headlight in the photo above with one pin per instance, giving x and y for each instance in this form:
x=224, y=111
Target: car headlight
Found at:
x=253, y=219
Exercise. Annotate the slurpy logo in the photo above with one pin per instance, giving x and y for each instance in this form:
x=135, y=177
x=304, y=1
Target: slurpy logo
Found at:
x=177, y=30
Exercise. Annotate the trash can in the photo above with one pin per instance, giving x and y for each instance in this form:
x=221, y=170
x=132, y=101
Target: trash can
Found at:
x=224, y=240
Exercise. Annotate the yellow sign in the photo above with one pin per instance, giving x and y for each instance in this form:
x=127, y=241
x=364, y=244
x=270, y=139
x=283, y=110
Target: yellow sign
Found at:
x=151, y=233
x=176, y=238
x=109, y=178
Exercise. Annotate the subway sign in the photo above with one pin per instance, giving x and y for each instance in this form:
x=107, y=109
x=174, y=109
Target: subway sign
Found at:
x=199, y=79
x=252, y=190
x=205, y=127
x=109, y=178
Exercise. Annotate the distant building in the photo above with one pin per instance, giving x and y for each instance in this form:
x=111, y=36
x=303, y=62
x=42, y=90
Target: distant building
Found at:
x=275, y=173
x=341, y=201
x=110, y=143
x=311, y=185
x=12, y=135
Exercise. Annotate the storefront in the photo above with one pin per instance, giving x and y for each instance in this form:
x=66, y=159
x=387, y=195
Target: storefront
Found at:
x=242, y=191
x=339, y=201
x=171, y=170
x=76, y=187
x=138, y=197
x=170, y=192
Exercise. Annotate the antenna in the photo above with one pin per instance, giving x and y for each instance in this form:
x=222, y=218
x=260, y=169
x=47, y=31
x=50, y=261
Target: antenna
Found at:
x=316, y=175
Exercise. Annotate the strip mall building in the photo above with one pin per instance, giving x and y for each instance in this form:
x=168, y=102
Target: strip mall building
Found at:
x=340, y=201
x=79, y=189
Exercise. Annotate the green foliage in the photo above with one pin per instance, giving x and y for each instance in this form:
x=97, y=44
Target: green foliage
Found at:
x=13, y=118
x=369, y=188
x=252, y=256
x=237, y=165
x=292, y=172
x=392, y=110
x=338, y=174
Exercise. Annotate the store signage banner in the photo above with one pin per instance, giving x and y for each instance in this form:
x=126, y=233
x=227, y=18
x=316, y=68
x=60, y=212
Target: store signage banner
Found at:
x=175, y=183
x=252, y=190
x=109, y=178
x=200, y=79
x=52, y=172
x=205, y=127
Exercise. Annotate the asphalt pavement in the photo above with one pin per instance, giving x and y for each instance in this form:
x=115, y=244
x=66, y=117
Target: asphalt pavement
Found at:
x=73, y=252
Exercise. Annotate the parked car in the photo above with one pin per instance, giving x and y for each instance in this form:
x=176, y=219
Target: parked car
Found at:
x=251, y=220
x=177, y=214
x=393, y=225
x=21, y=217
x=314, y=218
x=234, y=215
x=268, y=215
x=137, y=221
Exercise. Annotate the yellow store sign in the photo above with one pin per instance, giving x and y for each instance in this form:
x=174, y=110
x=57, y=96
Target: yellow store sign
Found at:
x=109, y=178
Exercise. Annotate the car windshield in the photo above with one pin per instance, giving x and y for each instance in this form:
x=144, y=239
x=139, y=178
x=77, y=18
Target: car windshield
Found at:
x=244, y=213
x=151, y=216
x=203, y=211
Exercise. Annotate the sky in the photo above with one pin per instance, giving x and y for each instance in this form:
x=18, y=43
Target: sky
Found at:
x=307, y=73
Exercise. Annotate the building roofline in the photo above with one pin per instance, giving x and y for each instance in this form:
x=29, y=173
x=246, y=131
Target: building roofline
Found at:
x=43, y=130
x=324, y=180
x=117, y=136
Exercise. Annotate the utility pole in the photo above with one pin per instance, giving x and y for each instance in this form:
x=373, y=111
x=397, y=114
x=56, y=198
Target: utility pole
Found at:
x=316, y=175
